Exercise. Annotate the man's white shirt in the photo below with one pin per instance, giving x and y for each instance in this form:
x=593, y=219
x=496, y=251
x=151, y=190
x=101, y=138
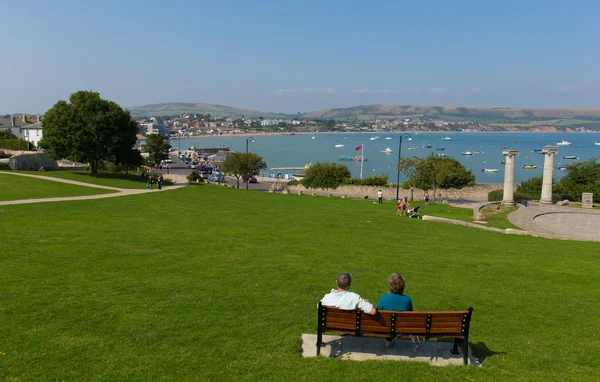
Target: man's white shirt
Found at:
x=346, y=300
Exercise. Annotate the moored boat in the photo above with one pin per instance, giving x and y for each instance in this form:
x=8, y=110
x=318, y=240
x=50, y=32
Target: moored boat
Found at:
x=466, y=153
x=477, y=152
x=389, y=138
x=446, y=138
x=387, y=150
x=529, y=166
x=563, y=143
x=490, y=170
x=338, y=146
x=569, y=157
x=441, y=148
x=597, y=143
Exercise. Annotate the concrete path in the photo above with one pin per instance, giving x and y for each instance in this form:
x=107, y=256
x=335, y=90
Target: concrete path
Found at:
x=119, y=191
x=363, y=348
x=558, y=222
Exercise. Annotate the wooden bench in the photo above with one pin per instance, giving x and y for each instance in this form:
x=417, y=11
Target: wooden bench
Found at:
x=388, y=324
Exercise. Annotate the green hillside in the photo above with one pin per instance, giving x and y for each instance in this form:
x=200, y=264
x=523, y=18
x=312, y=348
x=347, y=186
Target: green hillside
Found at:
x=483, y=114
x=162, y=109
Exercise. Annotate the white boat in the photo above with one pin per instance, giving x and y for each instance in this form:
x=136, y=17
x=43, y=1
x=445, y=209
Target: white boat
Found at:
x=477, y=152
x=389, y=138
x=411, y=148
x=446, y=138
x=441, y=155
x=373, y=138
x=490, y=170
x=597, y=143
x=338, y=146
x=387, y=150
x=313, y=137
x=466, y=153
x=563, y=143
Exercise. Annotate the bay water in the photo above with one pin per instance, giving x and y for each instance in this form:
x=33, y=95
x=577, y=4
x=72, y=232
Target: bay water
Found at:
x=301, y=149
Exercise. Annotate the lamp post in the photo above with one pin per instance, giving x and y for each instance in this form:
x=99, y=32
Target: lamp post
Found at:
x=407, y=135
x=248, y=139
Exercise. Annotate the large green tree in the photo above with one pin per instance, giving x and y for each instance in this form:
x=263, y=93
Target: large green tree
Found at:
x=325, y=175
x=408, y=166
x=581, y=177
x=243, y=165
x=435, y=172
x=156, y=147
x=87, y=129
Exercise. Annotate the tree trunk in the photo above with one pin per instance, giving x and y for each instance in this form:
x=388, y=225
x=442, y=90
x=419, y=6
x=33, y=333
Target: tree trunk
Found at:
x=94, y=169
x=412, y=193
x=238, y=181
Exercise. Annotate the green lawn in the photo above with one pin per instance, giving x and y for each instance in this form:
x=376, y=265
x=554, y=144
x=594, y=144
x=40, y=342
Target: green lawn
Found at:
x=101, y=290
x=111, y=180
x=494, y=218
x=14, y=187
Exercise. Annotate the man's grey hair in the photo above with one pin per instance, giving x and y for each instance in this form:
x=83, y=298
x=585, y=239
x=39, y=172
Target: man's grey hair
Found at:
x=344, y=280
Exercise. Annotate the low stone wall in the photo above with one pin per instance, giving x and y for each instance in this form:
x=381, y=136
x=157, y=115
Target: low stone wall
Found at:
x=8, y=152
x=475, y=193
x=31, y=161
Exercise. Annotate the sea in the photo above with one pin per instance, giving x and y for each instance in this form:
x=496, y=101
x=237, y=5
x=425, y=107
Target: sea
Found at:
x=286, y=151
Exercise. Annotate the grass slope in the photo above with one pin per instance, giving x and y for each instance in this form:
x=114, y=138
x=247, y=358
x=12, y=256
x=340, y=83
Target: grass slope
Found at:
x=112, y=180
x=14, y=187
x=100, y=290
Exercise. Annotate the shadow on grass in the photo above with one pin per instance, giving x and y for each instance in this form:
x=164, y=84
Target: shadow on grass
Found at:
x=482, y=352
x=129, y=177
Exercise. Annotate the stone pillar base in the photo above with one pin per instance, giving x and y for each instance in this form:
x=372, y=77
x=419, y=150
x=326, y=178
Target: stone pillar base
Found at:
x=545, y=201
x=509, y=203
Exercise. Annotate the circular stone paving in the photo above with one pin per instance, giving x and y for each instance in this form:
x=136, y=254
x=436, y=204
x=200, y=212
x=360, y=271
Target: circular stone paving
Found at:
x=570, y=224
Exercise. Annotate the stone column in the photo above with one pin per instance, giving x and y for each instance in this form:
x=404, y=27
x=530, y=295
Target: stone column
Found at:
x=508, y=198
x=548, y=152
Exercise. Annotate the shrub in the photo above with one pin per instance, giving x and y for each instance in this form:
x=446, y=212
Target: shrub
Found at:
x=532, y=186
x=325, y=175
x=375, y=180
x=498, y=195
x=194, y=177
x=14, y=144
x=4, y=166
x=581, y=177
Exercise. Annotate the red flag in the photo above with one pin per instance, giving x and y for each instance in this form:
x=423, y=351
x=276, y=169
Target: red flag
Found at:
x=358, y=148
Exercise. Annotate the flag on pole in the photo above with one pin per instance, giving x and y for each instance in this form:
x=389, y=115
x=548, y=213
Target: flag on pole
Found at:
x=358, y=148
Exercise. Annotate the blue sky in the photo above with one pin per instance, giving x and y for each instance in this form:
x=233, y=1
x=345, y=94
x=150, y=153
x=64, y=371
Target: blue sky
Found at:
x=300, y=56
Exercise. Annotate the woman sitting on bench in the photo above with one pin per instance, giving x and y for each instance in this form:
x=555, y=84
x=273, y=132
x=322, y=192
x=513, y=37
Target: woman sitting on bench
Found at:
x=395, y=300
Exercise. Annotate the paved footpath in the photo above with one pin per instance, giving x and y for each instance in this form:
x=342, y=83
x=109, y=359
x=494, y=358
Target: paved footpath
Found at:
x=119, y=191
x=558, y=222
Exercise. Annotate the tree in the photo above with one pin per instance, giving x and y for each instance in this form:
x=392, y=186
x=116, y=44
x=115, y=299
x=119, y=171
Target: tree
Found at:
x=581, y=177
x=325, y=175
x=6, y=135
x=130, y=159
x=408, y=166
x=434, y=172
x=531, y=187
x=88, y=129
x=156, y=147
x=243, y=165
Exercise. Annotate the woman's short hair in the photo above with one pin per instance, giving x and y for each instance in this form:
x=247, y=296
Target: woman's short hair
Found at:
x=396, y=283
x=344, y=280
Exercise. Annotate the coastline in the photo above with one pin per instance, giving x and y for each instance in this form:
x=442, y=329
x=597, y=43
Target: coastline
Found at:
x=377, y=132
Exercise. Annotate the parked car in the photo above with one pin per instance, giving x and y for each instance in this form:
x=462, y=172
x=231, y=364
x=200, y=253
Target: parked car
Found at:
x=203, y=174
x=193, y=166
x=214, y=177
x=169, y=160
x=249, y=179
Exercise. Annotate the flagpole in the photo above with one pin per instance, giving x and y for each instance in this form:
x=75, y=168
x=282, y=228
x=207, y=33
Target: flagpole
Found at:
x=362, y=158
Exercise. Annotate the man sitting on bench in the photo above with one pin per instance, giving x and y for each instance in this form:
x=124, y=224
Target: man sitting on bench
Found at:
x=342, y=298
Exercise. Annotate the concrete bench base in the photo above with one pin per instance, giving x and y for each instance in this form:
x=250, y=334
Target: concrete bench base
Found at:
x=366, y=348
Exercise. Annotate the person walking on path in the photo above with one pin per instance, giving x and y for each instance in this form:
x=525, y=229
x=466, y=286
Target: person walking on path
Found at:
x=426, y=197
x=160, y=182
x=379, y=197
x=149, y=185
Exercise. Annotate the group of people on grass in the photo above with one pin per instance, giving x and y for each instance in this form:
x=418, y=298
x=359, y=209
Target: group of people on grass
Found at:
x=150, y=182
x=342, y=298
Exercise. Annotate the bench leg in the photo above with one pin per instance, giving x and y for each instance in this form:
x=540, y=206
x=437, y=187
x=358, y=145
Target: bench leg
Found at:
x=465, y=352
x=455, y=346
x=319, y=342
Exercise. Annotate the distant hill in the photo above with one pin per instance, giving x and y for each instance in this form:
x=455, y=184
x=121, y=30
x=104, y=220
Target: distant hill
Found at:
x=162, y=109
x=484, y=114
